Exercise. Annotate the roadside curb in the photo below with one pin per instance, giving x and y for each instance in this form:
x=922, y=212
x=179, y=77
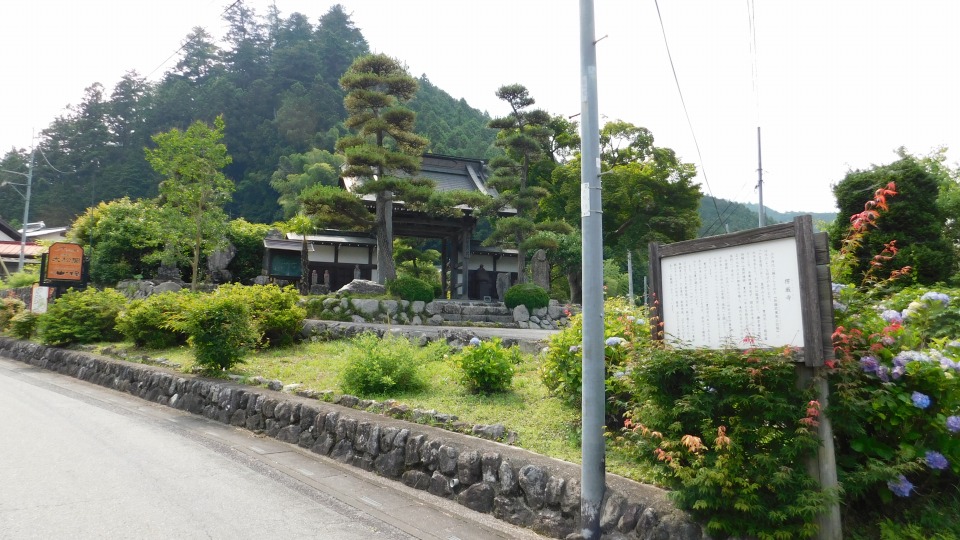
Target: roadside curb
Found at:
x=512, y=484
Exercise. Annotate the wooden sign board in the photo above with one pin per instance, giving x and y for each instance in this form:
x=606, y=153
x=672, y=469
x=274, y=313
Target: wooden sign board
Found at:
x=768, y=287
x=63, y=264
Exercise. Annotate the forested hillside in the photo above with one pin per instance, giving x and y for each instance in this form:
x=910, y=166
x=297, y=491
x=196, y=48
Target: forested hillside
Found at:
x=275, y=81
x=720, y=216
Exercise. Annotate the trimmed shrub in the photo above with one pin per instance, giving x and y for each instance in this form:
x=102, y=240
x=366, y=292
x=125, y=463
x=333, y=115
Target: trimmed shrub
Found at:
x=24, y=324
x=411, y=289
x=82, y=317
x=155, y=322
x=527, y=294
x=25, y=278
x=378, y=366
x=275, y=312
x=625, y=330
x=9, y=307
x=221, y=332
x=487, y=367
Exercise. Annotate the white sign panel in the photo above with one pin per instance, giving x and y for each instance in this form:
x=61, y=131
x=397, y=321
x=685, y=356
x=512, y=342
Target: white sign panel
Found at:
x=38, y=301
x=742, y=296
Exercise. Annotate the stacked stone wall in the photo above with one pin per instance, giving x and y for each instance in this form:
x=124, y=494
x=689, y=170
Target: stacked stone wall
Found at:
x=514, y=485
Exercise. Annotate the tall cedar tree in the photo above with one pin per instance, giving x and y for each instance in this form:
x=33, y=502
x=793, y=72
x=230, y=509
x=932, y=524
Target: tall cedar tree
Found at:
x=194, y=189
x=384, y=153
x=524, y=135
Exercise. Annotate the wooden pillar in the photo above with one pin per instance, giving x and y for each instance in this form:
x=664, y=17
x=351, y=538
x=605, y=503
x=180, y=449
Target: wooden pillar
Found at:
x=444, y=265
x=465, y=237
x=454, y=262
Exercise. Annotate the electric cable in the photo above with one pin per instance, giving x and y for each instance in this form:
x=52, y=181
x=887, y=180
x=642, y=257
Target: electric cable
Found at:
x=676, y=80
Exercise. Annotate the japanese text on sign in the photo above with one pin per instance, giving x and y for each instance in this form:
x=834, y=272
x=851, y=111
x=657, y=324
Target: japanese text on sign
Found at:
x=734, y=297
x=64, y=262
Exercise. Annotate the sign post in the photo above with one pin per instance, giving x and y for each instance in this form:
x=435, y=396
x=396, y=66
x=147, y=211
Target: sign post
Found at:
x=767, y=286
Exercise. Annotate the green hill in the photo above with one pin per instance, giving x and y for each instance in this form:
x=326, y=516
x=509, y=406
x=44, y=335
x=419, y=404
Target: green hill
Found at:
x=720, y=216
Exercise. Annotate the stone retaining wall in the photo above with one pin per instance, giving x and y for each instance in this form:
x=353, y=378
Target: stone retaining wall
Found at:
x=514, y=485
x=441, y=312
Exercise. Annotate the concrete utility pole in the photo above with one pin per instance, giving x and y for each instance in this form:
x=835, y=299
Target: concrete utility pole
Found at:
x=26, y=203
x=593, y=459
x=763, y=218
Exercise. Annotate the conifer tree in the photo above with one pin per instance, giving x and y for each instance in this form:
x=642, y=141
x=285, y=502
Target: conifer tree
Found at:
x=384, y=153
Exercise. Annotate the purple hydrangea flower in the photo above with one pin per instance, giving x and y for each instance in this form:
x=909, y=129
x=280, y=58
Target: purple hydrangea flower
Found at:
x=906, y=357
x=921, y=401
x=897, y=372
x=868, y=364
x=837, y=306
x=574, y=349
x=953, y=345
x=892, y=316
x=901, y=487
x=474, y=341
x=936, y=297
x=953, y=424
x=837, y=287
x=884, y=373
x=887, y=341
x=614, y=341
x=935, y=460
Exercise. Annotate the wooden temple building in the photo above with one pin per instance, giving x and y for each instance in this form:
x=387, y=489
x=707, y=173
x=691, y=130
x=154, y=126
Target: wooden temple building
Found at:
x=469, y=270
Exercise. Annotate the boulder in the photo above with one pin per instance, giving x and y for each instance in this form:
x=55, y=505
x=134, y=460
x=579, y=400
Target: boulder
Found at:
x=362, y=286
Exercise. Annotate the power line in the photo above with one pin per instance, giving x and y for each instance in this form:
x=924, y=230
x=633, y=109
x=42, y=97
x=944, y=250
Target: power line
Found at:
x=185, y=43
x=696, y=143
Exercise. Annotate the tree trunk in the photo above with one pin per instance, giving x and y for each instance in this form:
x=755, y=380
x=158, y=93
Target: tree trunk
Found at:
x=198, y=242
x=521, y=265
x=304, y=267
x=386, y=271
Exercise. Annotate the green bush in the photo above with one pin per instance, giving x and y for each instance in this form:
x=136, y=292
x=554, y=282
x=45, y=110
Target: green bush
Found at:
x=527, y=294
x=624, y=330
x=24, y=324
x=82, y=317
x=411, y=289
x=221, y=332
x=727, y=432
x=9, y=307
x=895, y=400
x=381, y=365
x=25, y=278
x=155, y=322
x=487, y=367
x=275, y=312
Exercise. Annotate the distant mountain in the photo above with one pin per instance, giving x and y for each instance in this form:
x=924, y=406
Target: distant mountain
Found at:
x=720, y=216
x=783, y=217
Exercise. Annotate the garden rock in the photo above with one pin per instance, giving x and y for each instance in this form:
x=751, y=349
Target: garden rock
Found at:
x=362, y=286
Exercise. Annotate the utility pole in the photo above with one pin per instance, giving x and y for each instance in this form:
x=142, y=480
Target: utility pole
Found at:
x=763, y=220
x=593, y=459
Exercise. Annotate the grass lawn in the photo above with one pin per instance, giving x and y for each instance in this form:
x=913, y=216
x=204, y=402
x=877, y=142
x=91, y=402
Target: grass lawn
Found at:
x=543, y=423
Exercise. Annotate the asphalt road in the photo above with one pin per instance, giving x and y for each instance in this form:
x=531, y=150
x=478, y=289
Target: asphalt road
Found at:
x=81, y=461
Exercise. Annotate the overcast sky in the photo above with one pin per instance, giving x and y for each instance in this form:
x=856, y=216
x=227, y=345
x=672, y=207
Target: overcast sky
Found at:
x=839, y=84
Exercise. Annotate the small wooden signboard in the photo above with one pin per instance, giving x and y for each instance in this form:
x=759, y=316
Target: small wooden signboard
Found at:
x=767, y=287
x=63, y=265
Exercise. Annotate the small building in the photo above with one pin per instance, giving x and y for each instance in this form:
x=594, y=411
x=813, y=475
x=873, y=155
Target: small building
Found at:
x=10, y=246
x=469, y=269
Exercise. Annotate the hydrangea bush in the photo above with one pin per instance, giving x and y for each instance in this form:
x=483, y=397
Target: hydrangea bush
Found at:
x=895, y=400
x=625, y=329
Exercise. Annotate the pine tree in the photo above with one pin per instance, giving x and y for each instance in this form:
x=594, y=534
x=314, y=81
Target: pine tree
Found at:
x=384, y=146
